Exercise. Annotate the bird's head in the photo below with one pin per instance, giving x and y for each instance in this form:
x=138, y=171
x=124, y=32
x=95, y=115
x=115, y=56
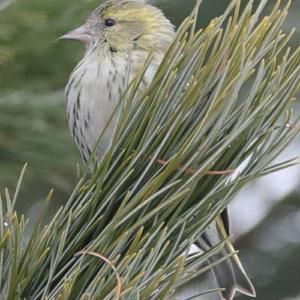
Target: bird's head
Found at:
x=125, y=25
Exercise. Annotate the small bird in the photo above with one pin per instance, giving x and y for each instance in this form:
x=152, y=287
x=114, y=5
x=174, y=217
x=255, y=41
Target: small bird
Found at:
x=118, y=36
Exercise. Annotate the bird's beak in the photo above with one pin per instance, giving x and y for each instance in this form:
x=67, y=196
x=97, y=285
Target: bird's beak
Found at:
x=81, y=34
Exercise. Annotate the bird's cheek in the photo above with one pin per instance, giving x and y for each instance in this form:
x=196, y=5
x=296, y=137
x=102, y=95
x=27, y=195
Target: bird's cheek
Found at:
x=113, y=39
x=124, y=41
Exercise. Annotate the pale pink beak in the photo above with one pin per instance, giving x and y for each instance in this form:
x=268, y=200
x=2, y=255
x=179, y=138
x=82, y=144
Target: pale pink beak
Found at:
x=81, y=34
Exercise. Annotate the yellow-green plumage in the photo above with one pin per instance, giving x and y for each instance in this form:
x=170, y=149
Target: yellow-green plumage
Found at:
x=119, y=36
x=113, y=56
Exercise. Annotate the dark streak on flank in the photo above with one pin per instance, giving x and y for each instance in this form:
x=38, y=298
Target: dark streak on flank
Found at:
x=74, y=128
x=80, y=79
x=114, y=77
x=109, y=94
x=86, y=124
x=68, y=88
x=81, y=132
x=120, y=90
x=78, y=104
x=77, y=140
x=124, y=80
x=89, y=151
x=74, y=111
x=137, y=38
x=112, y=49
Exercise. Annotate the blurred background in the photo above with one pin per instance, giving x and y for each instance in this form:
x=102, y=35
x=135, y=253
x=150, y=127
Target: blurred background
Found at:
x=34, y=68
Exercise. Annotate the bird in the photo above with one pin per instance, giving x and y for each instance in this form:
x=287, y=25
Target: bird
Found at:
x=118, y=36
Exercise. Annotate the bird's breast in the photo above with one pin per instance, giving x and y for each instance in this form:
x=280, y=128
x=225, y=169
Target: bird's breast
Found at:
x=92, y=94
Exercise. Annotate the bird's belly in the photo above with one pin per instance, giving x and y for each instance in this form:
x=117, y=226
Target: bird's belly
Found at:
x=90, y=106
x=95, y=117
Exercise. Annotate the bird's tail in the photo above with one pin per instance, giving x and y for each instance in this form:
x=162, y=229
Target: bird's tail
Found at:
x=231, y=276
x=229, y=273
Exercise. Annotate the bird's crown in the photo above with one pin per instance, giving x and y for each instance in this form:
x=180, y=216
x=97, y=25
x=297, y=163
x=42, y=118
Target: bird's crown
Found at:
x=109, y=4
x=125, y=24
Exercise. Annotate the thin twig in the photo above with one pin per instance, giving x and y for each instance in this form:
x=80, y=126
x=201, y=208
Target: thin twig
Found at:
x=118, y=277
x=193, y=171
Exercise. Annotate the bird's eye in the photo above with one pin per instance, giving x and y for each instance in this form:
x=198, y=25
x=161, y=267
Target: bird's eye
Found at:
x=110, y=22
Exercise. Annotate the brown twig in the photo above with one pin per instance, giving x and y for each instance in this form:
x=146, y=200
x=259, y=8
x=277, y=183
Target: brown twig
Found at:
x=223, y=63
x=118, y=277
x=215, y=173
x=193, y=171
